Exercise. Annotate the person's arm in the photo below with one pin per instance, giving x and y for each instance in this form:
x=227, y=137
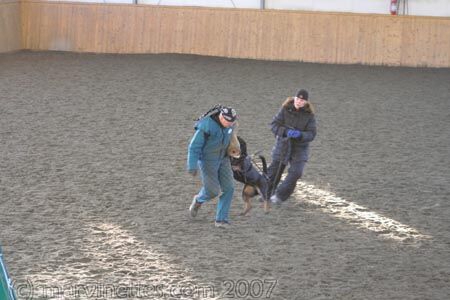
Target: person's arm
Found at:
x=196, y=147
x=277, y=124
x=310, y=132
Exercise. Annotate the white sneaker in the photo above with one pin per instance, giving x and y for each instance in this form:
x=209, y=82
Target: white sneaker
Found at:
x=222, y=224
x=195, y=206
x=275, y=200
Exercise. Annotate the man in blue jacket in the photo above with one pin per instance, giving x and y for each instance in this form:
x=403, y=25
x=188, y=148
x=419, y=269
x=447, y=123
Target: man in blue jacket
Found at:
x=208, y=152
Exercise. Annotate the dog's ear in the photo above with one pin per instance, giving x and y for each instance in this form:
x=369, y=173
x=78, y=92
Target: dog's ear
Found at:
x=243, y=146
x=234, y=149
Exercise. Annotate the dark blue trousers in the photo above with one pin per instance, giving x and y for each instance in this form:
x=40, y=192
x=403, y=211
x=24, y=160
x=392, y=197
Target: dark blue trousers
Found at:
x=287, y=186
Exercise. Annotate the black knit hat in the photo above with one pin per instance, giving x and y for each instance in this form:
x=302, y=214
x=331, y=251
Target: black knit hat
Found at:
x=303, y=94
x=228, y=113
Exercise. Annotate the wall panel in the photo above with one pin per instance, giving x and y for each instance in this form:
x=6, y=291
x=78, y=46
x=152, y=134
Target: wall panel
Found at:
x=244, y=33
x=10, y=29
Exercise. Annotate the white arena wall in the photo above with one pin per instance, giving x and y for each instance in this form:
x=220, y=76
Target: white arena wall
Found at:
x=269, y=34
x=291, y=35
x=438, y=8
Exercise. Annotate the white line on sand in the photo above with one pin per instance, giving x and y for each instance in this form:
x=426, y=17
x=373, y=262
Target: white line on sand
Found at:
x=112, y=260
x=356, y=214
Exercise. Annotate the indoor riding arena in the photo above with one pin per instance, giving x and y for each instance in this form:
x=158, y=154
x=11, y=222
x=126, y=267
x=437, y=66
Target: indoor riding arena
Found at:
x=97, y=110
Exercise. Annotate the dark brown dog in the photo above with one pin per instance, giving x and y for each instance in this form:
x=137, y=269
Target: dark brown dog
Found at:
x=255, y=183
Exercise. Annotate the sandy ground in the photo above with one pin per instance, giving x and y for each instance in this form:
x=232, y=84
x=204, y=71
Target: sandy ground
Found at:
x=94, y=193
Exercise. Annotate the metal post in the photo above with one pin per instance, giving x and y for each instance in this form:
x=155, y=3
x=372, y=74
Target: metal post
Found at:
x=263, y=4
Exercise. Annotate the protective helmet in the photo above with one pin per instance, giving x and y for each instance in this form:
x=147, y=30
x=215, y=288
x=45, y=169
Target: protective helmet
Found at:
x=228, y=113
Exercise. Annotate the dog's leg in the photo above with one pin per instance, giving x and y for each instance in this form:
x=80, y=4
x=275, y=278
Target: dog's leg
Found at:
x=247, y=193
x=266, y=202
x=266, y=206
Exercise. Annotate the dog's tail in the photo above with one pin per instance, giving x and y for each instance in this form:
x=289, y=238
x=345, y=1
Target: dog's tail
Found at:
x=264, y=164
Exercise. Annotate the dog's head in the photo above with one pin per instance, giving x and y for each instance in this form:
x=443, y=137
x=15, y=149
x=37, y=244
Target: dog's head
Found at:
x=234, y=149
x=237, y=160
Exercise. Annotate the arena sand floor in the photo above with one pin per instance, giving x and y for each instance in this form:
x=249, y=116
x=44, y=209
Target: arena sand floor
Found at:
x=94, y=191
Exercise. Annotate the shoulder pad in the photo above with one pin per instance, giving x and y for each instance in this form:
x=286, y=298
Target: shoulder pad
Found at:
x=203, y=124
